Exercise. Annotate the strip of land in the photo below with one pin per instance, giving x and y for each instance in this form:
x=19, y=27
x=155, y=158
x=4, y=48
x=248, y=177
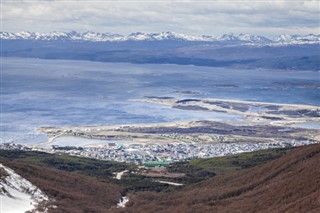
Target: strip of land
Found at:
x=258, y=126
x=260, y=122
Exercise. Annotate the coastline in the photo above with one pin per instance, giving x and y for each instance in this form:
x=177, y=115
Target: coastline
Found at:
x=270, y=122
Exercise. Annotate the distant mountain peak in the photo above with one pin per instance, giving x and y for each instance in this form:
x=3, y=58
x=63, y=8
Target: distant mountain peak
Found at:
x=297, y=39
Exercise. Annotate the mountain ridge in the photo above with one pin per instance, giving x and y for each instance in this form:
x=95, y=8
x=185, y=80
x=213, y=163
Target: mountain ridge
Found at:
x=275, y=180
x=162, y=36
x=287, y=184
x=17, y=191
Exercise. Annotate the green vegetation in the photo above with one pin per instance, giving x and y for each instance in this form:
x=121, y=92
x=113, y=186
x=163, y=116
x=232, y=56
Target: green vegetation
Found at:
x=98, y=169
x=201, y=169
x=156, y=163
x=196, y=170
x=86, y=166
x=134, y=182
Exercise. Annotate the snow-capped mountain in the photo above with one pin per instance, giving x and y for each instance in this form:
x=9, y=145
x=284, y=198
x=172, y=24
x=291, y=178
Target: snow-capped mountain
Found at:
x=297, y=39
x=18, y=194
x=169, y=36
x=93, y=36
x=163, y=36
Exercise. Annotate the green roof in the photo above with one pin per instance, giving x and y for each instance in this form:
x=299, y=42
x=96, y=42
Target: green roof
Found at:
x=156, y=163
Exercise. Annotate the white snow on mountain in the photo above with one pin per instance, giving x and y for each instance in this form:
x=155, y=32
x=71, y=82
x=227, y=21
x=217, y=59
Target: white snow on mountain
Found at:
x=163, y=36
x=16, y=193
x=93, y=36
x=298, y=39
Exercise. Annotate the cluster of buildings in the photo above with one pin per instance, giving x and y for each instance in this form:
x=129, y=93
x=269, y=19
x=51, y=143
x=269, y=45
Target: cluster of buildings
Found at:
x=139, y=154
x=13, y=146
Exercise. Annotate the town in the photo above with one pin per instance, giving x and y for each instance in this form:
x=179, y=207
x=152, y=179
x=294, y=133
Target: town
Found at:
x=140, y=154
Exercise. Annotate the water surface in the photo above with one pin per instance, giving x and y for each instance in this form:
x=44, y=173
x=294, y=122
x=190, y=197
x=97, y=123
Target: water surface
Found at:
x=38, y=92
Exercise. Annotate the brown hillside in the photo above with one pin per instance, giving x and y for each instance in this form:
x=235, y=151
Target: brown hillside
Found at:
x=288, y=184
x=72, y=192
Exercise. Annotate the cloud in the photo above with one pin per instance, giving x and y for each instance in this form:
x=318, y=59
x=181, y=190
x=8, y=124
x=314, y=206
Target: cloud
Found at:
x=201, y=17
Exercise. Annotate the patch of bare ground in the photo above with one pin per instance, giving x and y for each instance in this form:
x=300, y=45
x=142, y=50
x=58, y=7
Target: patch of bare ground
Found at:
x=161, y=172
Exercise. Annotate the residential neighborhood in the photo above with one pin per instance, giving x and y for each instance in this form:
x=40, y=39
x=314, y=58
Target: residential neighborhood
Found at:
x=139, y=154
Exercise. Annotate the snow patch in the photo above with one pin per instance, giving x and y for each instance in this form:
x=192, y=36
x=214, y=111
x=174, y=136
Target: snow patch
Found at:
x=122, y=202
x=18, y=194
x=120, y=174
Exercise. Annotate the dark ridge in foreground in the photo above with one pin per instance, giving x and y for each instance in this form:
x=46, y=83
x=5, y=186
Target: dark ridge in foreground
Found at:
x=71, y=192
x=273, y=180
x=288, y=184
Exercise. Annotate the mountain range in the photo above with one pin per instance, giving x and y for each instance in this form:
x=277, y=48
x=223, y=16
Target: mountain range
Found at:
x=284, y=39
x=293, y=52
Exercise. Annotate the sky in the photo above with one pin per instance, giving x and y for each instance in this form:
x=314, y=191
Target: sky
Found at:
x=204, y=17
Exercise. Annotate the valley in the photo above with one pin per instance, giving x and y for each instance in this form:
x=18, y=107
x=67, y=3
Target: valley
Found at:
x=159, y=106
x=228, y=180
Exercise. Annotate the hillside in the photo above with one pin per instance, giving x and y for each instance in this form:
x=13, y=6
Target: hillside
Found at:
x=20, y=195
x=74, y=184
x=71, y=192
x=274, y=180
x=288, y=184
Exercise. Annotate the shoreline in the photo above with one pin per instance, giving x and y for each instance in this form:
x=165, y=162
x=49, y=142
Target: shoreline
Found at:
x=230, y=101
x=302, y=106
x=206, y=101
x=258, y=122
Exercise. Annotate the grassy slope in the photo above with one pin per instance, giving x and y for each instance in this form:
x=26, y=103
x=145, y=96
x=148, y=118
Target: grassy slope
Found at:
x=201, y=169
x=222, y=165
x=86, y=166
x=76, y=174
x=70, y=192
x=290, y=183
x=76, y=184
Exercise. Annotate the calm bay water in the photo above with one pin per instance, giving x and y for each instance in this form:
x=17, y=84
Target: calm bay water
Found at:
x=38, y=92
